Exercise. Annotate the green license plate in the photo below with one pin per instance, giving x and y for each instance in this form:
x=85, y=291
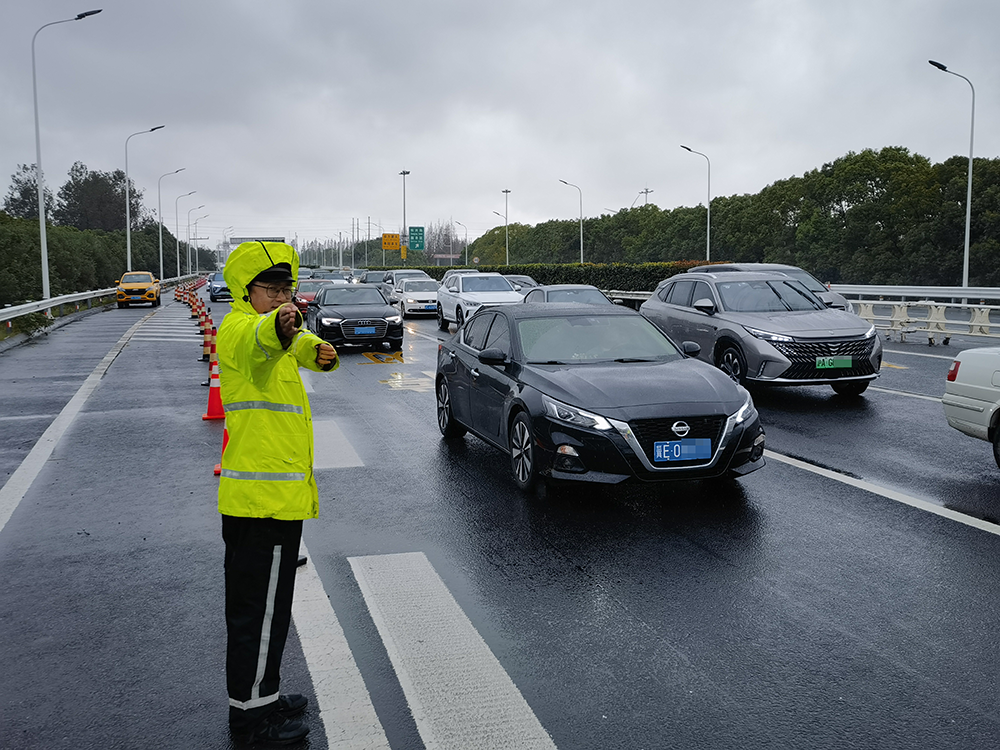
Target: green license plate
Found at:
x=829, y=363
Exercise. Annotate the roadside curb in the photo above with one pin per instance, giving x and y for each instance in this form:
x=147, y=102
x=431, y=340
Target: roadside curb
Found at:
x=22, y=338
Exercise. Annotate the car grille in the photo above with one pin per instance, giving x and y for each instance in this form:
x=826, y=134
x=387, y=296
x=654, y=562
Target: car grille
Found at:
x=803, y=354
x=348, y=326
x=135, y=292
x=650, y=431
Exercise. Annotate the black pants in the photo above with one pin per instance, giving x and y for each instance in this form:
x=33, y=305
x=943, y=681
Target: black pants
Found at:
x=261, y=557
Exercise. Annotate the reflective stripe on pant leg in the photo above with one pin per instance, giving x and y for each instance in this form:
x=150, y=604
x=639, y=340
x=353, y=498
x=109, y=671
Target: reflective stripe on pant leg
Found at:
x=265, y=640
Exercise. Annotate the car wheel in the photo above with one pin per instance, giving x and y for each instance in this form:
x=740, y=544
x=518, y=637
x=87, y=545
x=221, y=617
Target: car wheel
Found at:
x=996, y=445
x=850, y=387
x=459, y=317
x=396, y=344
x=522, y=452
x=121, y=305
x=442, y=323
x=732, y=362
x=402, y=311
x=446, y=422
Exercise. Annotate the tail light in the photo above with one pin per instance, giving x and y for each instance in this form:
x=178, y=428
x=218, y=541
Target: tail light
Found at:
x=953, y=371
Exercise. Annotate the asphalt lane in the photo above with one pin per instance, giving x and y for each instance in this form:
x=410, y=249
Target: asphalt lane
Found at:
x=785, y=610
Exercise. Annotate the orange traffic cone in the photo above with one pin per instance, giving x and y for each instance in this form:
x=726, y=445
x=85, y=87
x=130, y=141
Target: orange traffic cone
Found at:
x=225, y=442
x=206, y=343
x=215, y=410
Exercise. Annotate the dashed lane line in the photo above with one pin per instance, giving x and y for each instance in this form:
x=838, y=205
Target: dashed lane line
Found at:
x=908, y=394
x=890, y=494
x=917, y=354
x=459, y=694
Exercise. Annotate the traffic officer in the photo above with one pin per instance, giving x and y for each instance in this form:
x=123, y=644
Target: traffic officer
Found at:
x=267, y=486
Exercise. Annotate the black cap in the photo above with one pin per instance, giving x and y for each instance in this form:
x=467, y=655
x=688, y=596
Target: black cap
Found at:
x=275, y=274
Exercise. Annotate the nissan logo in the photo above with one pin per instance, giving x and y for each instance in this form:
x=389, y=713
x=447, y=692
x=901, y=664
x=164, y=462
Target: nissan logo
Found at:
x=681, y=429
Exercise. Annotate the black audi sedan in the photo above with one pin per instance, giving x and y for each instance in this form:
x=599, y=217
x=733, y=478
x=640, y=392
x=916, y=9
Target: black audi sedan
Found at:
x=354, y=314
x=579, y=392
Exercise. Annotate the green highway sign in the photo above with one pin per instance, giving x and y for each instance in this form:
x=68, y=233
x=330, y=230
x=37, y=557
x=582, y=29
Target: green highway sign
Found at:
x=416, y=238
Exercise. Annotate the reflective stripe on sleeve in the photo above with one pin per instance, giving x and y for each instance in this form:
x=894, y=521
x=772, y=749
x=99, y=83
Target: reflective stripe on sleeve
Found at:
x=263, y=476
x=267, y=405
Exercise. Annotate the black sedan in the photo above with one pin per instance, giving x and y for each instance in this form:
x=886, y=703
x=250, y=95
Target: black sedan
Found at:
x=577, y=392
x=354, y=314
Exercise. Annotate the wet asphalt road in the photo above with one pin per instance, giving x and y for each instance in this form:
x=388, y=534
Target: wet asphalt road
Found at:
x=789, y=610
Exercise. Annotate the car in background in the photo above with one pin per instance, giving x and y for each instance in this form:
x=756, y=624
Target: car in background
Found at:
x=307, y=289
x=355, y=314
x=568, y=293
x=415, y=297
x=336, y=275
x=972, y=395
x=368, y=277
x=355, y=275
x=452, y=271
x=393, y=277
x=304, y=273
x=814, y=285
x=522, y=283
x=217, y=289
x=581, y=393
x=767, y=328
x=462, y=294
x=136, y=288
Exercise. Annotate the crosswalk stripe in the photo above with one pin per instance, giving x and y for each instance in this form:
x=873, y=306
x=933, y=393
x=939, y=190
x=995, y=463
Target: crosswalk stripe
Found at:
x=459, y=694
x=331, y=449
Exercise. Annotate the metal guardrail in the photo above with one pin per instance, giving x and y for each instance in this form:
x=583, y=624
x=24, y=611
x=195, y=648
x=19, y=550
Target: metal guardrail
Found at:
x=16, y=311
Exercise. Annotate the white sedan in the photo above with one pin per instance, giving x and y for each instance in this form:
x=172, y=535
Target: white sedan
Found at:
x=461, y=295
x=972, y=395
x=415, y=296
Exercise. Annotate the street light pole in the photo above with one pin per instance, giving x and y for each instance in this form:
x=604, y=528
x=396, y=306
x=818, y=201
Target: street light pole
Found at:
x=159, y=213
x=403, y=232
x=708, y=205
x=189, y=234
x=39, y=176
x=581, y=215
x=466, y=241
x=968, y=195
x=128, y=209
x=177, y=230
x=506, y=233
x=196, y=238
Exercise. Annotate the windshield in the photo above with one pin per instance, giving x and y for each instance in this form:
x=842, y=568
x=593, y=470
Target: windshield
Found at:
x=373, y=276
x=766, y=296
x=420, y=286
x=808, y=280
x=486, y=284
x=136, y=278
x=593, y=338
x=308, y=287
x=351, y=295
x=578, y=295
x=522, y=280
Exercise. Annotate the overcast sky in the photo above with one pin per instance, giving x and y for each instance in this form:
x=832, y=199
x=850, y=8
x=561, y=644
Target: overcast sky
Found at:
x=294, y=117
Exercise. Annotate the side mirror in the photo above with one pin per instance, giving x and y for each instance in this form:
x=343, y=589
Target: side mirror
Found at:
x=517, y=287
x=118, y=281
x=705, y=305
x=617, y=301
x=691, y=348
x=156, y=281
x=492, y=357
x=312, y=303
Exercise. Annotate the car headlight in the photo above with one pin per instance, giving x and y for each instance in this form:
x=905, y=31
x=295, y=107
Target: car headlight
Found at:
x=767, y=335
x=747, y=411
x=331, y=321
x=871, y=332
x=574, y=416
x=411, y=301
x=393, y=319
x=469, y=303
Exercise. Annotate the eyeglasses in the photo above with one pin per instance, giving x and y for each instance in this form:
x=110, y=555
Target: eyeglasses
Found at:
x=273, y=292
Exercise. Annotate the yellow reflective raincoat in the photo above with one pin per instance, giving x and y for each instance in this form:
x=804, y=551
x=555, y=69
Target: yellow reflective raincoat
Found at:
x=267, y=466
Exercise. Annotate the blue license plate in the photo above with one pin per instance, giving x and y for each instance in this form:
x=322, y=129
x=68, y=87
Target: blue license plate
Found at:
x=363, y=330
x=430, y=307
x=136, y=297
x=688, y=449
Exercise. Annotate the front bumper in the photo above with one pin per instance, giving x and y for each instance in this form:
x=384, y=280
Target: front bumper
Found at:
x=137, y=296
x=419, y=307
x=796, y=363
x=349, y=332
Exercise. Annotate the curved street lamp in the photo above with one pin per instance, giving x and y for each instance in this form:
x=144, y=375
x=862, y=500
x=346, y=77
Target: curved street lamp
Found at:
x=708, y=205
x=581, y=215
x=128, y=209
x=968, y=195
x=402, y=232
x=196, y=238
x=189, y=234
x=39, y=176
x=159, y=213
x=466, y=241
x=177, y=230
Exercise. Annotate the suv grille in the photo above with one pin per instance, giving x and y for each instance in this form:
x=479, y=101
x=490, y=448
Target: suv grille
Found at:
x=650, y=431
x=803, y=354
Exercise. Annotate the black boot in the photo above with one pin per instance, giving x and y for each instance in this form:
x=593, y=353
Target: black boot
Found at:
x=276, y=730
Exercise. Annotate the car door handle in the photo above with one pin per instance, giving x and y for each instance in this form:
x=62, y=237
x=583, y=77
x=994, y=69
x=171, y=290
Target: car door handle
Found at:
x=451, y=355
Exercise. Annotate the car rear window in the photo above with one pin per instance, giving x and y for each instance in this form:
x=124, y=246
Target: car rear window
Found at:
x=590, y=338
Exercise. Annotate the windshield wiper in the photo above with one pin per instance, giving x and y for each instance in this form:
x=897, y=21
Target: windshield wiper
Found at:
x=549, y=362
x=635, y=359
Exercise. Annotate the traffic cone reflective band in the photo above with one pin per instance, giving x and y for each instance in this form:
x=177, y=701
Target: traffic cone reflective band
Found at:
x=212, y=354
x=215, y=410
x=225, y=442
x=206, y=344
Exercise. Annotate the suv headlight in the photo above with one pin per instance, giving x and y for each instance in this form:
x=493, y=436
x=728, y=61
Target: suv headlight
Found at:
x=767, y=335
x=331, y=321
x=574, y=416
x=470, y=303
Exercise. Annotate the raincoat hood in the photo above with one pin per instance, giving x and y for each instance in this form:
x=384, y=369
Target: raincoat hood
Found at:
x=248, y=260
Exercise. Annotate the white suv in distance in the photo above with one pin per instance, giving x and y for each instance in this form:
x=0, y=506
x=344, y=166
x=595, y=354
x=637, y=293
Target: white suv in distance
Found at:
x=972, y=395
x=462, y=294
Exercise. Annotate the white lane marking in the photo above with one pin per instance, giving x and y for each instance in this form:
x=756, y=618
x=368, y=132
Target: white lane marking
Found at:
x=21, y=480
x=156, y=337
x=422, y=335
x=331, y=449
x=26, y=417
x=916, y=354
x=307, y=381
x=344, y=703
x=889, y=494
x=905, y=393
x=459, y=694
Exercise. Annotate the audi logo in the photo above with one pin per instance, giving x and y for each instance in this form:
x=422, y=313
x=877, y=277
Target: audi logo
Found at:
x=680, y=429
x=364, y=322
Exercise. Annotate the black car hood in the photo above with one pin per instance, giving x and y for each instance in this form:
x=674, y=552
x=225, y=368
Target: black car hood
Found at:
x=355, y=312
x=639, y=389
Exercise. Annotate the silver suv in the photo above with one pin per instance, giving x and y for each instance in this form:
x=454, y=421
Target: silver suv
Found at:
x=814, y=285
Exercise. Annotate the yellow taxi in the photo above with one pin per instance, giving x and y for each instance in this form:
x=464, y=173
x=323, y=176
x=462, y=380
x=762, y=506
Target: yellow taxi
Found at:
x=138, y=287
